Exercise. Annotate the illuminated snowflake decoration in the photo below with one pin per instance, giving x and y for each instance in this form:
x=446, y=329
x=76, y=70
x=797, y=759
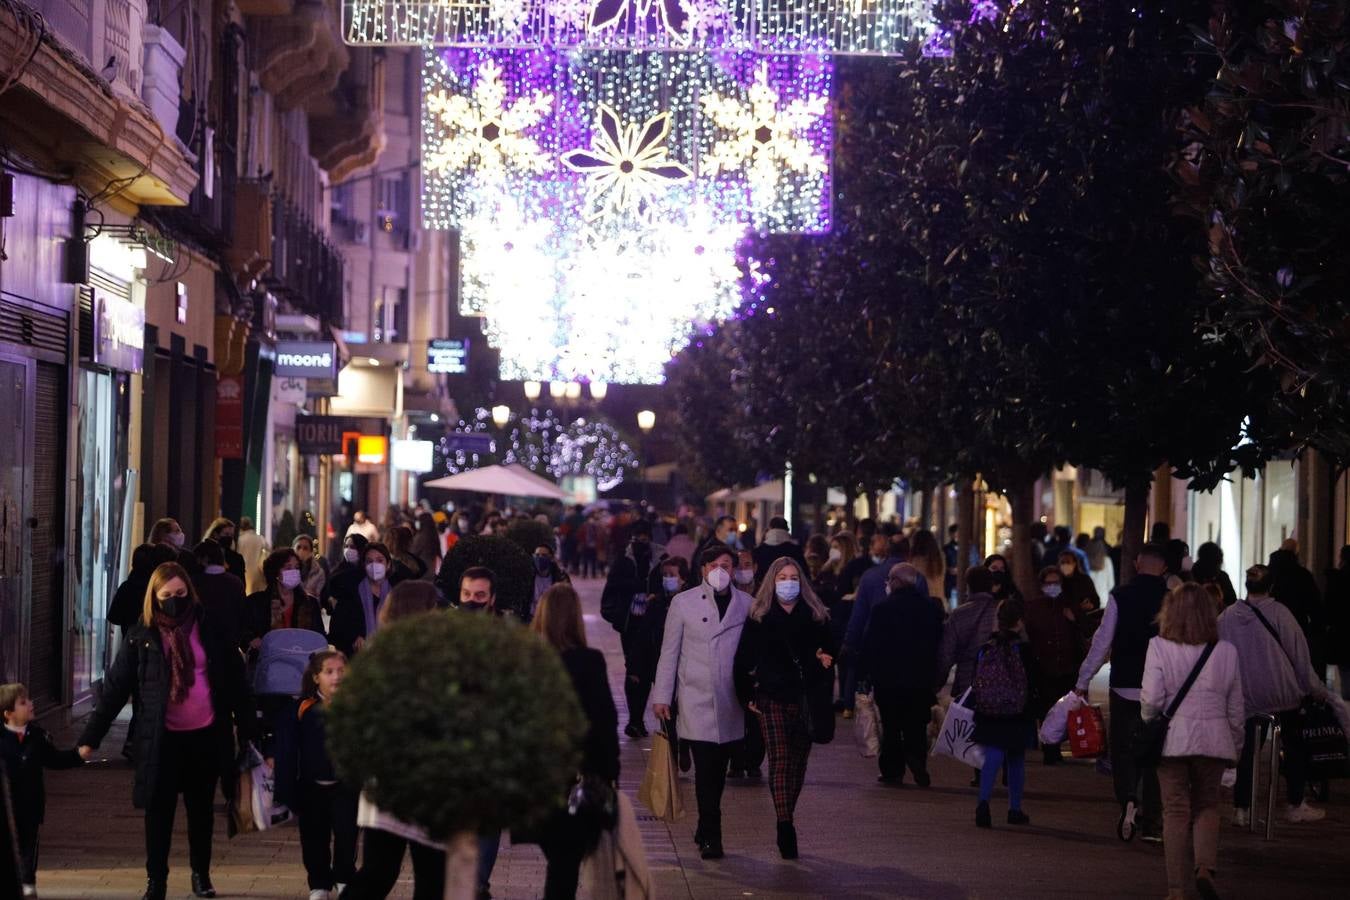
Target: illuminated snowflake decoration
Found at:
x=704, y=19
x=483, y=131
x=765, y=136
x=595, y=449
x=571, y=14
x=628, y=166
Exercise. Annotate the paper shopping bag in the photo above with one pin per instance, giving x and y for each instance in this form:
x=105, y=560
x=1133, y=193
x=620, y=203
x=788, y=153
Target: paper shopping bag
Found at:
x=956, y=737
x=866, y=724
x=660, y=788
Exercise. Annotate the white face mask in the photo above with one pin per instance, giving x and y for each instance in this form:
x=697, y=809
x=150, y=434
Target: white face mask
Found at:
x=375, y=571
x=718, y=580
x=745, y=576
x=836, y=554
x=671, y=583
x=788, y=591
x=214, y=570
x=176, y=538
x=1052, y=590
x=290, y=578
x=351, y=555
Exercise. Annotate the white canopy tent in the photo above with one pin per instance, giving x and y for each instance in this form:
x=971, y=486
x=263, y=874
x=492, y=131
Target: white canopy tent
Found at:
x=510, y=481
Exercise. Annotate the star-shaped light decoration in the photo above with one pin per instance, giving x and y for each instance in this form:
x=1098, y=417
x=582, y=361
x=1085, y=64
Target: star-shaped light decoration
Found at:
x=628, y=166
x=485, y=131
x=763, y=136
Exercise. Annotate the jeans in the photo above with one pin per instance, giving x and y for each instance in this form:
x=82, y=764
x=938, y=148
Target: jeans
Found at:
x=710, y=780
x=1295, y=775
x=904, y=734
x=187, y=765
x=1126, y=775
x=994, y=758
x=328, y=834
x=382, y=861
x=1190, y=795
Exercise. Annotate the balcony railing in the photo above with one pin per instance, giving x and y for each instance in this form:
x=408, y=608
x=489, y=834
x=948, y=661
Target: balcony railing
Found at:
x=306, y=266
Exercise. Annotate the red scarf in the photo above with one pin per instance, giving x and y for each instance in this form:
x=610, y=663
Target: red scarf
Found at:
x=176, y=637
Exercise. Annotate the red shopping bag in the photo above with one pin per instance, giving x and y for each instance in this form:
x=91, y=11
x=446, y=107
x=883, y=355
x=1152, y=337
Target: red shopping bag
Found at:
x=1086, y=733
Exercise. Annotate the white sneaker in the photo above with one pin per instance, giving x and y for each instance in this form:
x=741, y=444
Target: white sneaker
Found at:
x=1242, y=818
x=320, y=894
x=337, y=891
x=1304, y=813
x=30, y=890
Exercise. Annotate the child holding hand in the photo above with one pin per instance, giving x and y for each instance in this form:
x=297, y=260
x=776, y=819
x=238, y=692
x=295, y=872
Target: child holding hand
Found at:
x=307, y=783
x=27, y=749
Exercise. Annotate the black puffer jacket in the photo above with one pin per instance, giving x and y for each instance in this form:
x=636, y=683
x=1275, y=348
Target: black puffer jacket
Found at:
x=776, y=653
x=141, y=668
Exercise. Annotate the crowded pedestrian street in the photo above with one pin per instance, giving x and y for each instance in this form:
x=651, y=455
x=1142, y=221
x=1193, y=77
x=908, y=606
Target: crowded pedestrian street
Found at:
x=859, y=839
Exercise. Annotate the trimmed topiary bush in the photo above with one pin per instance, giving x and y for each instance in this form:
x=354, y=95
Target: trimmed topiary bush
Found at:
x=513, y=567
x=458, y=723
x=528, y=534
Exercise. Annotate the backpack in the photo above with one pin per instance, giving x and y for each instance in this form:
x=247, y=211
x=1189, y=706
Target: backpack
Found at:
x=1000, y=681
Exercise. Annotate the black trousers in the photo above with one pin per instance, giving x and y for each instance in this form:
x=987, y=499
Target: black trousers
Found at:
x=710, y=780
x=381, y=864
x=904, y=733
x=636, y=691
x=188, y=765
x=27, y=833
x=1126, y=775
x=1295, y=772
x=564, y=847
x=748, y=752
x=328, y=834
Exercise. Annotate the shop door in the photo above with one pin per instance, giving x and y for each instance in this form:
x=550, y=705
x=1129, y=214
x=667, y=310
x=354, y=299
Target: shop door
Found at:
x=46, y=529
x=16, y=404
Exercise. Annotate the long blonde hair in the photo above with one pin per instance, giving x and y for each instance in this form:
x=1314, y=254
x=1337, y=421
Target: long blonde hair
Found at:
x=848, y=550
x=766, y=597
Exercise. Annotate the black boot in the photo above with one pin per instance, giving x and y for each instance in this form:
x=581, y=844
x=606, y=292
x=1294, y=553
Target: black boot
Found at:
x=201, y=885
x=787, y=840
x=155, y=889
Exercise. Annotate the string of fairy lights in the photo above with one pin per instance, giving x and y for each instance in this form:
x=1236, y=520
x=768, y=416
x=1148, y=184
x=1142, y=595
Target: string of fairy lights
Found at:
x=542, y=442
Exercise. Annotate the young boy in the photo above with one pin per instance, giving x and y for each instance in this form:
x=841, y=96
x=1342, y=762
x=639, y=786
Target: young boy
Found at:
x=26, y=749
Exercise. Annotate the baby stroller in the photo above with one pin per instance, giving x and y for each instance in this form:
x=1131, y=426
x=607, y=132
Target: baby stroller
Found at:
x=282, y=659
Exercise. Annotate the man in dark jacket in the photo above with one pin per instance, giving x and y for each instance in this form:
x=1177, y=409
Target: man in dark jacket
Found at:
x=630, y=575
x=1129, y=623
x=777, y=543
x=899, y=656
x=220, y=593
x=1295, y=587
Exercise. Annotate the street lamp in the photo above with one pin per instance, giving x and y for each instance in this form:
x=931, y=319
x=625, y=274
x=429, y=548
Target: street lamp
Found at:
x=532, y=390
x=572, y=390
x=598, y=390
x=646, y=420
x=501, y=414
x=556, y=389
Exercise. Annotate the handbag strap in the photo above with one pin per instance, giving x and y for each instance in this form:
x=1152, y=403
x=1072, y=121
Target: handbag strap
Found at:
x=1190, y=680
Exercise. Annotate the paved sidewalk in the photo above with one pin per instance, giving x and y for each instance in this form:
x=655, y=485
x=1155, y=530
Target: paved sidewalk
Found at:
x=858, y=839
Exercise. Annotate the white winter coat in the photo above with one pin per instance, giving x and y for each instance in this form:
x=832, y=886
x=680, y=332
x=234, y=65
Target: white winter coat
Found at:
x=1210, y=720
x=698, y=655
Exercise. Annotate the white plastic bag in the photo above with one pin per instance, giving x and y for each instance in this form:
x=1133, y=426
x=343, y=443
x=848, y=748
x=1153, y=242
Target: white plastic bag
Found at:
x=956, y=737
x=267, y=813
x=1055, y=727
x=866, y=724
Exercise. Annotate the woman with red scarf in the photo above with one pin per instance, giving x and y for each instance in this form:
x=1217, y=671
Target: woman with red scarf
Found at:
x=192, y=695
x=283, y=603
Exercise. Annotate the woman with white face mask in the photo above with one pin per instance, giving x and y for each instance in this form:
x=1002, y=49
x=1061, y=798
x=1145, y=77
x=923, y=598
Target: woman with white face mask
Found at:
x=1054, y=624
x=787, y=649
x=283, y=603
x=356, y=617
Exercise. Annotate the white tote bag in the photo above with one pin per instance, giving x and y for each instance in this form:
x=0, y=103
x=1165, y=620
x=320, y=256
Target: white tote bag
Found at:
x=955, y=738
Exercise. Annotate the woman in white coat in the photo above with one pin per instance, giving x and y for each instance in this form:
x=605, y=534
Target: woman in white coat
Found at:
x=1204, y=736
x=697, y=669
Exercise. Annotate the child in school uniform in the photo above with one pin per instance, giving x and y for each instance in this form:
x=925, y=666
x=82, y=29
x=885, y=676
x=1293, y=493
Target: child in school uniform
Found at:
x=307, y=783
x=26, y=749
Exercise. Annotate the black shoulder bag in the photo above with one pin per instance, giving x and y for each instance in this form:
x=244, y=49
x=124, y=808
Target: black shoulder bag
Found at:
x=1146, y=741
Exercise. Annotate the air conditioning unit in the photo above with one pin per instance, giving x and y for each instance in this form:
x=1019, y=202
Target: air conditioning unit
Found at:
x=361, y=233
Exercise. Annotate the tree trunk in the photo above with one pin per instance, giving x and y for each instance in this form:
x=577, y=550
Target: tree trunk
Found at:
x=926, y=507
x=819, y=495
x=871, y=505
x=850, y=510
x=461, y=866
x=1136, y=519
x=965, y=532
x=1022, y=499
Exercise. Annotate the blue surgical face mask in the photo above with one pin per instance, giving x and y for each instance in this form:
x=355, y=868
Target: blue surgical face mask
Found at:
x=788, y=591
x=671, y=583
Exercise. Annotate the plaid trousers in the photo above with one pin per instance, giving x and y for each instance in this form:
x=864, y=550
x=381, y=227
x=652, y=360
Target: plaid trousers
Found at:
x=788, y=745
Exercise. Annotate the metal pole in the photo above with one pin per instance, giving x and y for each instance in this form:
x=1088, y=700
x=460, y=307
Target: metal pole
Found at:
x=1274, y=777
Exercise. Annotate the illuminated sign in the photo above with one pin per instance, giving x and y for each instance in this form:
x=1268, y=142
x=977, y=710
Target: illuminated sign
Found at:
x=414, y=456
x=306, y=359
x=119, y=332
x=320, y=435
x=448, y=356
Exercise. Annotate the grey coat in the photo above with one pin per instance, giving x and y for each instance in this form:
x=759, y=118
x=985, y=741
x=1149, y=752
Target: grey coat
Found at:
x=698, y=656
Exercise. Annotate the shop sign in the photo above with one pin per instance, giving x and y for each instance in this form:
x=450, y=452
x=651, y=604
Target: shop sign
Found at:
x=327, y=435
x=119, y=332
x=306, y=359
x=292, y=390
x=469, y=443
x=230, y=417
x=448, y=356
x=414, y=456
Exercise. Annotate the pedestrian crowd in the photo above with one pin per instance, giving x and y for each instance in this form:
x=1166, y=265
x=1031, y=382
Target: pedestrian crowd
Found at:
x=743, y=652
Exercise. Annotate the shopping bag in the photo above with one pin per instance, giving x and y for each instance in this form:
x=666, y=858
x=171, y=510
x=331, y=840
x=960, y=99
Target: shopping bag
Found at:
x=257, y=789
x=866, y=724
x=1087, y=732
x=241, y=805
x=1324, y=742
x=956, y=738
x=660, y=788
x=1056, y=724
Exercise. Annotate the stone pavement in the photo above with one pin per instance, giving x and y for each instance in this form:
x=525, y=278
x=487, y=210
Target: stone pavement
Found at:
x=858, y=839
